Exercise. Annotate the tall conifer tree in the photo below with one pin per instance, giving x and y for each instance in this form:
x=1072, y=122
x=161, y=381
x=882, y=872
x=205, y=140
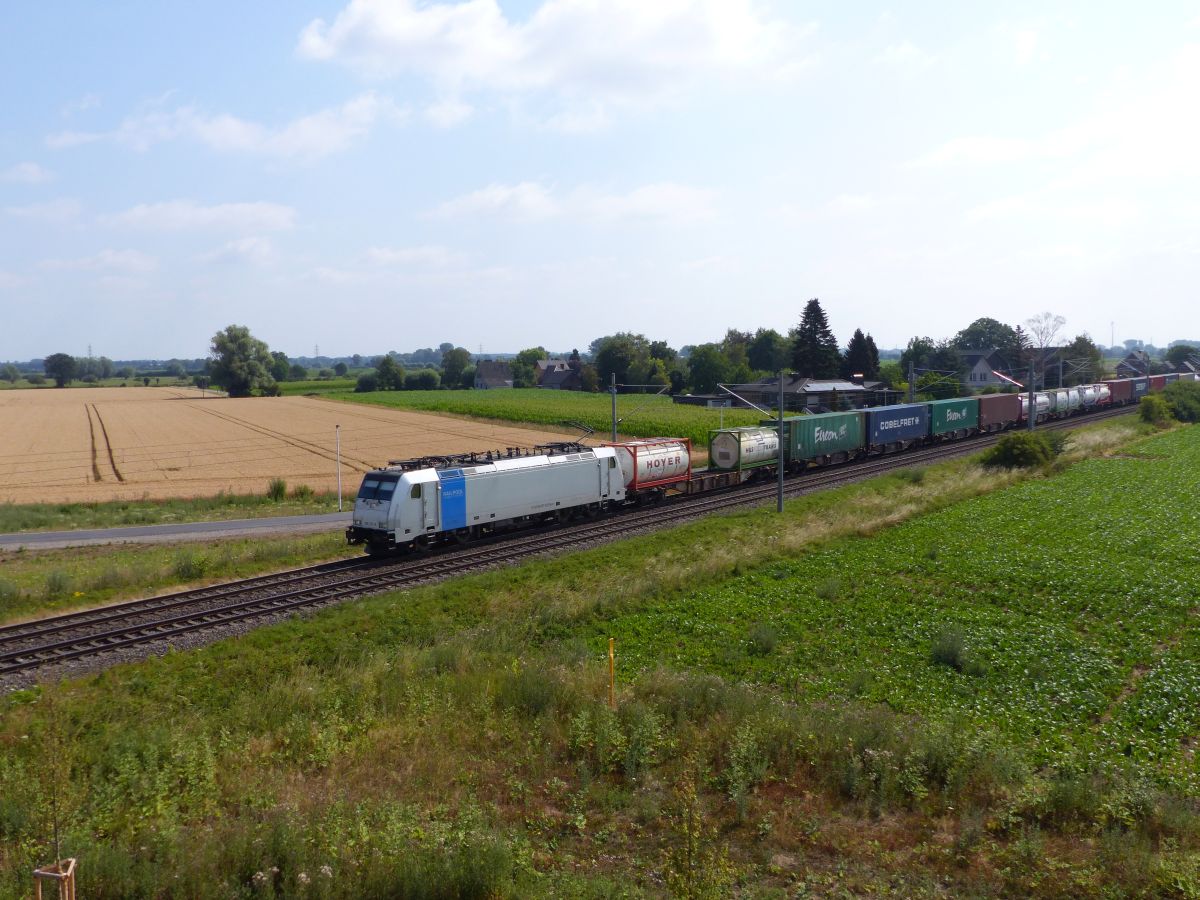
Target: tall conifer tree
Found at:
x=815, y=352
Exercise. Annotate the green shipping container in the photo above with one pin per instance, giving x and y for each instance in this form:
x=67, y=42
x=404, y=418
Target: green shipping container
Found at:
x=812, y=436
x=953, y=415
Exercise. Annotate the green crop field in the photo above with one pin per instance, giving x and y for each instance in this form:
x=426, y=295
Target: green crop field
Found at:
x=640, y=415
x=1069, y=606
x=946, y=682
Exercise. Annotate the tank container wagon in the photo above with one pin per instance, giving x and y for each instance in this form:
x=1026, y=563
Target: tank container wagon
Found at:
x=743, y=450
x=417, y=503
x=653, y=466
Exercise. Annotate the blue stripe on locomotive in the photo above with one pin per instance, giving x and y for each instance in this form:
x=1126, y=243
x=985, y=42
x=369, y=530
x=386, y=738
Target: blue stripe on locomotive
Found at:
x=454, y=499
x=886, y=424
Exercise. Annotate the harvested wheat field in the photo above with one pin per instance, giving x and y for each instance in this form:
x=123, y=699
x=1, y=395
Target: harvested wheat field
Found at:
x=128, y=443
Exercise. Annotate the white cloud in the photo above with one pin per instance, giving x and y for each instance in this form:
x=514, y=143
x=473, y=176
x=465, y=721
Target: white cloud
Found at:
x=904, y=54
x=526, y=201
x=53, y=212
x=531, y=202
x=130, y=262
x=84, y=103
x=448, y=112
x=851, y=204
x=8, y=280
x=304, y=139
x=257, y=251
x=1025, y=45
x=27, y=173
x=433, y=256
x=179, y=215
x=611, y=52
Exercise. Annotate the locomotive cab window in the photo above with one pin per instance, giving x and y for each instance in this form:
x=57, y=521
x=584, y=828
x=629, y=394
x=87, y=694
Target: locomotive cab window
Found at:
x=415, y=493
x=379, y=487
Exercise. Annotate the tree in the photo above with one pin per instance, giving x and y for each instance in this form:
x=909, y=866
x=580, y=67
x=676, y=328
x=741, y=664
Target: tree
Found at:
x=454, y=363
x=175, y=368
x=466, y=380
x=661, y=350
x=985, y=334
x=524, y=366
x=814, y=348
x=589, y=378
x=1084, y=363
x=389, y=376
x=1043, y=331
x=62, y=367
x=280, y=367
x=768, y=351
x=734, y=345
x=340, y=369
x=297, y=372
x=616, y=355
x=861, y=357
x=9, y=373
x=708, y=368
x=916, y=354
x=240, y=362
x=201, y=381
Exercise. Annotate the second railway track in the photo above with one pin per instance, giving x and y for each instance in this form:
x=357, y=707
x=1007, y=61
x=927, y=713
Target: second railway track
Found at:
x=159, y=621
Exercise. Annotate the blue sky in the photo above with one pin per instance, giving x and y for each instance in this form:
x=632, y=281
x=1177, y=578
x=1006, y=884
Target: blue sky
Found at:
x=391, y=174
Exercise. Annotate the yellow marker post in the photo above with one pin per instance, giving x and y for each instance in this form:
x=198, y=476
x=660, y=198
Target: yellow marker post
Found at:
x=612, y=674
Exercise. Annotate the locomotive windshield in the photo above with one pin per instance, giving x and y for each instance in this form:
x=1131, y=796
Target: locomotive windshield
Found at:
x=378, y=487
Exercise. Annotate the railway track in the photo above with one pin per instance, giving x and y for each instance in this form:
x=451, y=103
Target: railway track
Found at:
x=29, y=646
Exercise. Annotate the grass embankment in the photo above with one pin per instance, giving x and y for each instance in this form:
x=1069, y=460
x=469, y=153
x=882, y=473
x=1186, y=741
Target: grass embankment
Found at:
x=641, y=415
x=34, y=582
x=118, y=513
x=825, y=702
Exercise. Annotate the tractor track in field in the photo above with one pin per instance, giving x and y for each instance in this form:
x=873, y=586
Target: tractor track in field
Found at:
x=80, y=642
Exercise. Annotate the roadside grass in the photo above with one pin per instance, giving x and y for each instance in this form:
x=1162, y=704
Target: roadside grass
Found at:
x=641, y=415
x=40, y=582
x=458, y=735
x=117, y=513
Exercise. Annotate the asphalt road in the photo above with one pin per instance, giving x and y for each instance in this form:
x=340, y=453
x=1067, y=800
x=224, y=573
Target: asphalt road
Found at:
x=182, y=531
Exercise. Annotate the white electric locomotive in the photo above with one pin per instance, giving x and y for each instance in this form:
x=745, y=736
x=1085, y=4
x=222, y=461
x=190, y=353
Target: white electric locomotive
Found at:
x=414, y=504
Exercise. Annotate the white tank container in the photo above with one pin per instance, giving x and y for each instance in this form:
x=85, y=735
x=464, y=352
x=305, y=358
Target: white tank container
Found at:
x=1103, y=393
x=649, y=462
x=744, y=447
x=1073, y=399
x=1088, y=394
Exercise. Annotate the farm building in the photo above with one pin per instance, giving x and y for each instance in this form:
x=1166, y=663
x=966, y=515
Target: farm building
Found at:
x=490, y=375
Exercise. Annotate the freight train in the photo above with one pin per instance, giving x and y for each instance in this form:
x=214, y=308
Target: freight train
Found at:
x=414, y=504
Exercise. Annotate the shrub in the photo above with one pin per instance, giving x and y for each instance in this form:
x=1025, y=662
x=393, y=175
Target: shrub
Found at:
x=276, y=489
x=1184, y=400
x=302, y=492
x=190, y=566
x=1024, y=449
x=58, y=583
x=829, y=588
x=423, y=380
x=1155, y=409
x=9, y=592
x=763, y=639
x=950, y=649
x=367, y=382
x=911, y=476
